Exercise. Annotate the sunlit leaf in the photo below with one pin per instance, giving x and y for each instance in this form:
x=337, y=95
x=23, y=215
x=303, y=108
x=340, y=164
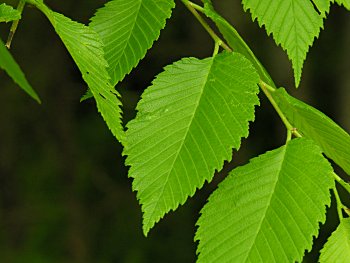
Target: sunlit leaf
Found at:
x=86, y=49
x=8, y=13
x=187, y=124
x=345, y=3
x=268, y=210
x=294, y=25
x=337, y=248
x=128, y=29
x=235, y=41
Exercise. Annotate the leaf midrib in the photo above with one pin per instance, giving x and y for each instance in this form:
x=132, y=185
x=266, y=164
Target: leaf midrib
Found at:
x=127, y=39
x=269, y=203
x=205, y=82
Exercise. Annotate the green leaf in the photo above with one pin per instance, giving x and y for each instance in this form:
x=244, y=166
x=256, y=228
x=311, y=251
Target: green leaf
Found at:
x=337, y=248
x=322, y=6
x=268, y=210
x=86, y=96
x=334, y=141
x=86, y=49
x=8, y=64
x=188, y=121
x=345, y=3
x=128, y=29
x=8, y=13
x=293, y=23
x=235, y=41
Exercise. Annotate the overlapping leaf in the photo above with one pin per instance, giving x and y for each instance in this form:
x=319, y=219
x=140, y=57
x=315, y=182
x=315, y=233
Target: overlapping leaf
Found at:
x=293, y=23
x=337, y=248
x=128, y=29
x=235, y=41
x=268, y=210
x=8, y=64
x=186, y=126
x=86, y=49
x=334, y=141
x=8, y=13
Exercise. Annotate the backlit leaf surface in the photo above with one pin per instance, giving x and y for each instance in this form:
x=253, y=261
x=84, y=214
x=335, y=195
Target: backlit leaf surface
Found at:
x=8, y=13
x=337, y=248
x=86, y=49
x=345, y=3
x=268, y=210
x=293, y=23
x=235, y=41
x=187, y=124
x=128, y=29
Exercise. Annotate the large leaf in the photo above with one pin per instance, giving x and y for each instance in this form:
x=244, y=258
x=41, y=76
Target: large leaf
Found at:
x=337, y=248
x=334, y=141
x=268, y=210
x=293, y=23
x=8, y=64
x=235, y=41
x=345, y=3
x=128, y=29
x=186, y=126
x=86, y=49
x=8, y=13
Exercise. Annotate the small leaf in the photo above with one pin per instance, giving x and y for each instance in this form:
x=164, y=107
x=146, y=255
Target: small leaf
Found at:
x=236, y=42
x=345, y=3
x=128, y=29
x=8, y=13
x=337, y=248
x=86, y=96
x=188, y=121
x=86, y=49
x=293, y=23
x=268, y=210
x=8, y=64
x=334, y=141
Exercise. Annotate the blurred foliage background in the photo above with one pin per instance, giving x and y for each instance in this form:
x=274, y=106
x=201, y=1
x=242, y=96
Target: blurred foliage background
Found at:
x=64, y=191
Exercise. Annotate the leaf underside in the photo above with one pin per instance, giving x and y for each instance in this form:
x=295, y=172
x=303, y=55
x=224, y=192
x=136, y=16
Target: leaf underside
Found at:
x=8, y=13
x=337, y=248
x=293, y=23
x=128, y=29
x=8, y=64
x=268, y=210
x=86, y=50
x=334, y=141
x=235, y=41
x=188, y=121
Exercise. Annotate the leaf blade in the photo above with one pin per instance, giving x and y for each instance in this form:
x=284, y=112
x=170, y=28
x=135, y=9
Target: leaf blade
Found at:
x=8, y=64
x=334, y=141
x=294, y=25
x=86, y=49
x=178, y=138
x=345, y=3
x=235, y=41
x=8, y=13
x=337, y=246
x=267, y=210
x=128, y=29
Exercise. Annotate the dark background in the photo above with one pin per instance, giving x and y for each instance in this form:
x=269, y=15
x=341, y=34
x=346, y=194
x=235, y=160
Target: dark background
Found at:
x=64, y=191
